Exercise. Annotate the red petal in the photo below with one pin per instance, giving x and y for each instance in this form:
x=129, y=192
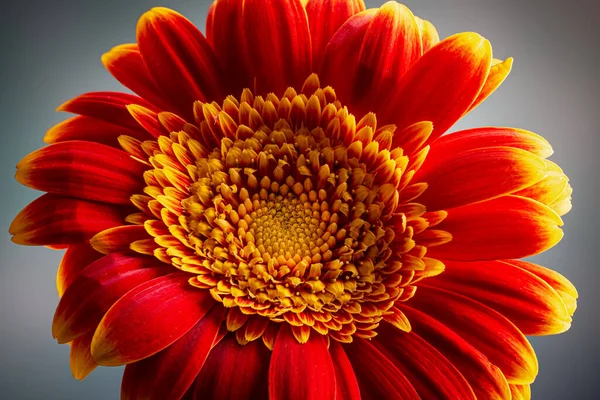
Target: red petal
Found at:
x=126, y=64
x=345, y=381
x=118, y=239
x=301, y=371
x=169, y=373
x=340, y=60
x=431, y=374
x=477, y=175
x=486, y=380
x=85, y=170
x=225, y=33
x=427, y=94
x=388, y=48
x=234, y=372
x=92, y=130
x=179, y=59
x=506, y=227
x=445, y=147
x=81, y=361
x=526, y=300
x=499, y=70
x=377, y=376
x=278, y=43
x=76, y=258
x=485, y=329
x=57, y=220
x=559, y=283
x=97, y=288
x=148, y=319
x=324, y=18
x=106, y=106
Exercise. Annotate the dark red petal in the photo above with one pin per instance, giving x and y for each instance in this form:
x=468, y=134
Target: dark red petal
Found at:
x=76, y=258
x=234, y=372
x=431, y=374
x=526, y=300
x=427, y=94
x=81, y=361
x=477, y=175
x=377, y=376
x=89, y=171
x=301, y=371
x=126, y=64
x=92, y=130
x=148, y=319
x=324, y=18
x=97, y=288
x=106, y=106
x=506, y=227
x=486, y=380
x=345, y=380
x=278, y=43
x=445, y=147
x=485, y=329
x=170, y=373
x=179, y=59
x=57, y=220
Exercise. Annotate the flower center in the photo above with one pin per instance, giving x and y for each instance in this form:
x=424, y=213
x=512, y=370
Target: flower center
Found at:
x=288, y=211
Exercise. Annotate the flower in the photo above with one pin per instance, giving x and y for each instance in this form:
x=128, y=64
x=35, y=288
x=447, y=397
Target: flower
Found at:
x=279, y=212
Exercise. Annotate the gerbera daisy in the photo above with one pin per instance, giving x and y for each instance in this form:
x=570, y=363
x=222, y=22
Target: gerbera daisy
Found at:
x=279, y=213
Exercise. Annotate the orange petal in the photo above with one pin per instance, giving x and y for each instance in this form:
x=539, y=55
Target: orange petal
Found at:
x=520, y=392
x=126, y=64
x=429, y=35
x=233, y=371
x=118, y=238
x=179, y=59
x=91, y=130
x=97, y=288
x=499, y=70
x=477, y=175
x=85, y=170
x=278, y=43
x=106, y=106
x=169, y=374
x=526, y=300
x=57, y=220
x=425, y=92
x=485, y=329
x=148, y=319
x=562, y=285
x=324, y=19
x=76, y=258
x=388, y=48
x=548, y=190
x=506, y=227
x=431, y=374
x=486, y=380
x=445, y=147
x=81, y=360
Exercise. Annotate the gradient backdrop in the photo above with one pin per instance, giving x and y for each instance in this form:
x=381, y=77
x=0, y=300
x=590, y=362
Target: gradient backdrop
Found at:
x=51, y=52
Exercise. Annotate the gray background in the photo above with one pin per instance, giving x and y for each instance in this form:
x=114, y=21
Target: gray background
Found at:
x=51, y=52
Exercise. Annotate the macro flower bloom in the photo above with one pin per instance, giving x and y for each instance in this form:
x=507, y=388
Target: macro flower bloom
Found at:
x=280, y=213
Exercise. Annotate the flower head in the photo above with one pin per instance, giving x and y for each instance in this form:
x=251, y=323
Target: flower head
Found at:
x=281, y=214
